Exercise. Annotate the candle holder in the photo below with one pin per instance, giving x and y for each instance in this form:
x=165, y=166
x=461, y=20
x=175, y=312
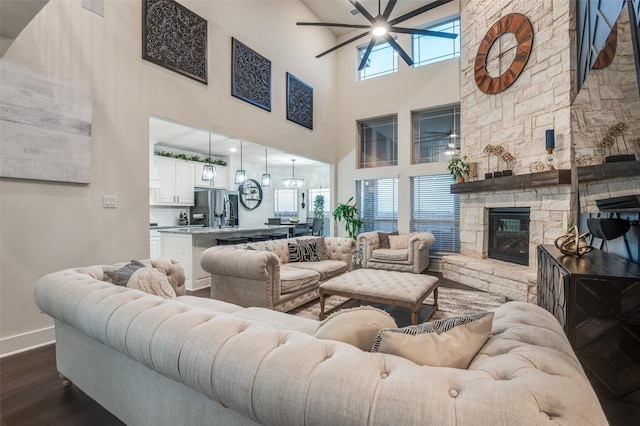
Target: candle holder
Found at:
x=550, y=160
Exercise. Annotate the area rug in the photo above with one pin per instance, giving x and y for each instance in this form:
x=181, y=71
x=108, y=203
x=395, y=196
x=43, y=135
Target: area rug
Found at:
x=451, y=302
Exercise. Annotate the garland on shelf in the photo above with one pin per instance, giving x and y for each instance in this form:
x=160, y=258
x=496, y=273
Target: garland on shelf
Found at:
x=196, y=158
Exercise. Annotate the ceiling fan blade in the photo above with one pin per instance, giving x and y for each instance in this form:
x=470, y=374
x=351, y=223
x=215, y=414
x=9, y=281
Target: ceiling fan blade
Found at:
x=423, y=32
x=330, y=24
x=389, y=8
x=398, y=49
x=372, y=43
x=344, y=43
x=418, y=11
x=362, y=10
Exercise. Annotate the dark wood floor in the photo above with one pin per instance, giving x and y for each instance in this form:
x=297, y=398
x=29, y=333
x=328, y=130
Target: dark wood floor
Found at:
x=32, y=394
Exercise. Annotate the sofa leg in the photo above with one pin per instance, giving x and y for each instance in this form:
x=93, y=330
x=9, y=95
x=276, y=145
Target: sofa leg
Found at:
x=65, y=382
x=435, y=299
x=321, y=307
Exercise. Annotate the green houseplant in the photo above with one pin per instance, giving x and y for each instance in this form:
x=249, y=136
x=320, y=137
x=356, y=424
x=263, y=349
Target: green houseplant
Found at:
x=459, y=167
x=348, y=213
x=318, y=210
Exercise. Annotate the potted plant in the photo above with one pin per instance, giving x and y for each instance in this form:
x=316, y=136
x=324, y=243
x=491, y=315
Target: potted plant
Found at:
x=459, y=167
x=348, y=213
x=318, y=210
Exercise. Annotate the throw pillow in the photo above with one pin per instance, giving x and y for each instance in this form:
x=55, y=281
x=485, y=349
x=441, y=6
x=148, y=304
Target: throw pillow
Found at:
x=449, y=342
x=152, y=281
x=384, y=238
x=399, y=241
x=121, y=276
x=321, y=249
x=356, y=326
x=303, y=252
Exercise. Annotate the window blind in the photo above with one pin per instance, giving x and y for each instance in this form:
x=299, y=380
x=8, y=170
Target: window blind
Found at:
x=285, y=203
x=377, y=201
x=434, y=209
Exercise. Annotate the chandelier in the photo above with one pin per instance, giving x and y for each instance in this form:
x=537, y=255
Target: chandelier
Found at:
x=293, y=181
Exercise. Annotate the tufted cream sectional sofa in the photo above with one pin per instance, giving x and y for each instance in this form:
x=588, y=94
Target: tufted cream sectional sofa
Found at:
x=198, y=361
x=260, y=273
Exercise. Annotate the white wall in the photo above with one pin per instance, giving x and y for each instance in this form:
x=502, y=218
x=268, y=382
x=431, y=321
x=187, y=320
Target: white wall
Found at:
x=409, y=89
x=50, y=226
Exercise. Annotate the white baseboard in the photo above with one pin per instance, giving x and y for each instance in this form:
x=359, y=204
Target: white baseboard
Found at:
x=26, y=341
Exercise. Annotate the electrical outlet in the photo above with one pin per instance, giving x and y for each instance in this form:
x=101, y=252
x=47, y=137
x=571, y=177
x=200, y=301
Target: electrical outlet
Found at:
x=109, y=201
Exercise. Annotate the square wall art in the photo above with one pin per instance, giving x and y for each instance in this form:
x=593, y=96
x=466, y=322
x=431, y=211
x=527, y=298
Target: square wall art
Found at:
x=174, y=37
x=299, y=102
x=250, y=75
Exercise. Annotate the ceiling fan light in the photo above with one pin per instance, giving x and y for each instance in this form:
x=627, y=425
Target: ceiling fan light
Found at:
x=379, y=31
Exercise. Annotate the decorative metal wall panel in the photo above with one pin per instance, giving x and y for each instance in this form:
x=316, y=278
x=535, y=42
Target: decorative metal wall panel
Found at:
x=250, y=75
x=299, y=102
x=45, y=123
x=175, y=38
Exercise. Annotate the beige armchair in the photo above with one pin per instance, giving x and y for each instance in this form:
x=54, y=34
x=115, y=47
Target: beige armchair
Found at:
x=401, y=252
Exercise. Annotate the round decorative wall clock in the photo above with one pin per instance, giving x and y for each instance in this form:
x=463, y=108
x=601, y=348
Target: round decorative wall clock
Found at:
x=499, y=49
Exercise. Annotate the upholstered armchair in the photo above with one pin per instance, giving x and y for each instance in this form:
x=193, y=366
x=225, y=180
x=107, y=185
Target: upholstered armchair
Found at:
x=399, y=252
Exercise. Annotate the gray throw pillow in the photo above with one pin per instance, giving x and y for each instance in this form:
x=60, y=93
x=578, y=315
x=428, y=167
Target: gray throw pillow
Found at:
x=384, y=238
x=121, y=276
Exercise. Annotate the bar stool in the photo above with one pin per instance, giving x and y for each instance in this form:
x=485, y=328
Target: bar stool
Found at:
x=231, y=241
x=256, y=238
x=278, y=236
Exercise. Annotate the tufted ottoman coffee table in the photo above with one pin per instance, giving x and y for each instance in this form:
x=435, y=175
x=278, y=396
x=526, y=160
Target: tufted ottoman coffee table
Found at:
x=379, y=286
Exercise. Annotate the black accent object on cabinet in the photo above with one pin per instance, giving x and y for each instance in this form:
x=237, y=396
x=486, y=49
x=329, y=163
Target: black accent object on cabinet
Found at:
x=250, y=75
x=596, y=298
x=299, y=102
x=175, y=38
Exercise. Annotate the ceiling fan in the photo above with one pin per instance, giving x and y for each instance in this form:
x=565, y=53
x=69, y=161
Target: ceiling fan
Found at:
x=381, y=27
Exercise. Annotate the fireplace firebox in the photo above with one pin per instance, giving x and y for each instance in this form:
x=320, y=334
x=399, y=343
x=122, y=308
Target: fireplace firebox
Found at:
x=509, y=234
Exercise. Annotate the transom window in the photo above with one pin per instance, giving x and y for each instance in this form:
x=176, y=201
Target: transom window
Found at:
x=285, y=203
x=434, y=209
x=429, y=49
x=382, y=60
x=436, y=134
x=377, y=201
x=378, y=142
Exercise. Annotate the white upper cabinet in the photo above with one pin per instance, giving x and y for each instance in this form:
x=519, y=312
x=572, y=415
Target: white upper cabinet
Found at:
x=176, y=182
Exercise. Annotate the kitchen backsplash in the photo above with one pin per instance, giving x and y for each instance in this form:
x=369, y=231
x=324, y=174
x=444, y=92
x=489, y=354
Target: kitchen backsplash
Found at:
x=166, y=216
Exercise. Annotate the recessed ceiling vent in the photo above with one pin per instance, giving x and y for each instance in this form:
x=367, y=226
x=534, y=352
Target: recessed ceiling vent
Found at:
x=354, y=12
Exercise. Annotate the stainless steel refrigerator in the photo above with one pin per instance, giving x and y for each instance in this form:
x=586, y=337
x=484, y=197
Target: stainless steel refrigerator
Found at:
x=215, y=208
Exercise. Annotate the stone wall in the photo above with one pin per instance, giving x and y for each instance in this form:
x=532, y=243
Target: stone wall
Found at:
x=609, y=96
x=517, y=117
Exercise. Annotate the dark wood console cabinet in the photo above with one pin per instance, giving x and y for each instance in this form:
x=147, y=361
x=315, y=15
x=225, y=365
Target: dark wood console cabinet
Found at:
x=596, y=298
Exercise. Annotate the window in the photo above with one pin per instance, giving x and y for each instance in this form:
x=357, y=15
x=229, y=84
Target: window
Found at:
x=434, y=209
x=378, y=142
x=382, y=60
x=429, y=49
x=436, y=134
x=313, y=193
x=285, y=203
x=377, y=201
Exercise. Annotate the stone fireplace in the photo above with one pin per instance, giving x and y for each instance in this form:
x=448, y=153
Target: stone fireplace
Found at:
x=544, y=97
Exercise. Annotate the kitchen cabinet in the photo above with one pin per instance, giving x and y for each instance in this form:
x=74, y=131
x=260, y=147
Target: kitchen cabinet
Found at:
x=179, y=247
x=154, y=245
x=176, y=182
x=221, y=180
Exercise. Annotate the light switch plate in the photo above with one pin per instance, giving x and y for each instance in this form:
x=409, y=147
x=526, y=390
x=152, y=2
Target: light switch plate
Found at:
x=109, y=201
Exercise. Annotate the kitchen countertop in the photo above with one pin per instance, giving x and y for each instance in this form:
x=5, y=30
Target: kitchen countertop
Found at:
x=227, y=230
x=159, y=227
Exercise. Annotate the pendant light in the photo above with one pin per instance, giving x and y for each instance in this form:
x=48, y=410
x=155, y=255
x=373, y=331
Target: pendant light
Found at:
x=293, y=182
x=266, y=177
x=452, y=146
x=241, y=175
x=208, y=171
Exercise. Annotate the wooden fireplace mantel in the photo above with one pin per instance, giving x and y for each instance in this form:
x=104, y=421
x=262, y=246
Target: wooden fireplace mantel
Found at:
x=550, y=178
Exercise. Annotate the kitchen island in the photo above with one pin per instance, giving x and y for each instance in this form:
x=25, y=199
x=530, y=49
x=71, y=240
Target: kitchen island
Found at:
x=186, y=244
